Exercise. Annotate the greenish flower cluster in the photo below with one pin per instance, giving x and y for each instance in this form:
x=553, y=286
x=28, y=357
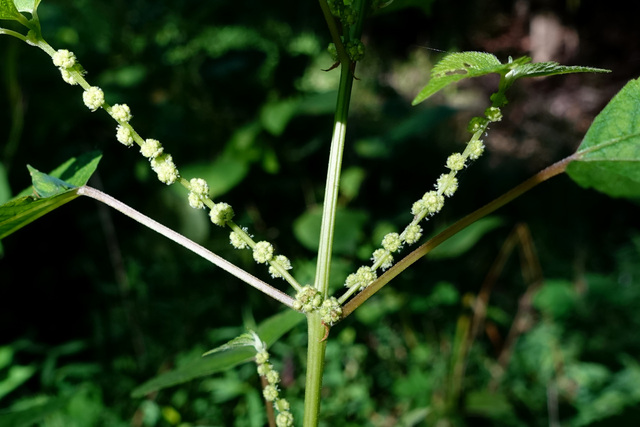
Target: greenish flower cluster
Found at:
x=271, y=392
x=310, y=299
x=428, y=205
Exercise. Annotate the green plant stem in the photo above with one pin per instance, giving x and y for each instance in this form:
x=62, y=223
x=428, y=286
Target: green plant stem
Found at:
x=315, y=346
x=189, y=244
x=545, y=174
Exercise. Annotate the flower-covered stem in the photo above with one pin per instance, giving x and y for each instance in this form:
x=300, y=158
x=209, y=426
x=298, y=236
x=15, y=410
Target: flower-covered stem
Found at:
x=192, y=246
x=431, y=244
x=276, y=268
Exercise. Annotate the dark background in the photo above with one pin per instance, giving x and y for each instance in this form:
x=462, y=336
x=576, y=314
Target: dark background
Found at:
x=91, y=301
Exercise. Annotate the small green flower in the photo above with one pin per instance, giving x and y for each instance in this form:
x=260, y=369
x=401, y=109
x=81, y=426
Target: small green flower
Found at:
x=475, y=149
x=330, y=311
x=263, y=252
x=151, y=148
x=64, y=59
x=237, y=241
x=221, y=213
x=123, y=135
x=392, y=242
x=361, y=278
x=455, y=162
x=283, y=262
x=270, y=393
x=419, y=208
x=284, y=419
x=383, y=257
x=93, y=98
x=308, y=299
x=165, y=168
x=447, y=184
x=264, y=368
x=493, y=114
x=477, y=123
x=68, y=77
x=273, y=377
x=262, y=357
x=355, y=49
x=282, y=405
x=412, y=233
x=433, y=202
x=199, y=192
x=121, y=113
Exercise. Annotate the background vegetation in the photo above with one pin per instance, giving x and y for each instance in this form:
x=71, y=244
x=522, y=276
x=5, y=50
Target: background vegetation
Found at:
x=92, y=305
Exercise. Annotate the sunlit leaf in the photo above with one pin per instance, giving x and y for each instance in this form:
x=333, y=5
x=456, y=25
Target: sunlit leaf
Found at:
x=8, y=10
x=27, y=5
x=458, y=66
x=609, y=156
x=462, y=65
x=49, y=191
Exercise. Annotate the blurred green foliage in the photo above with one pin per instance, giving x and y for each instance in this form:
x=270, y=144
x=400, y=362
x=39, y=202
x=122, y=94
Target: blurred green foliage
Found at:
x=237, y=93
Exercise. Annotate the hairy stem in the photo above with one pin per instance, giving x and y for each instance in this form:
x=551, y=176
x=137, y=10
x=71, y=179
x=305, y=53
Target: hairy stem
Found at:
x=189, y=244
x=545, y=174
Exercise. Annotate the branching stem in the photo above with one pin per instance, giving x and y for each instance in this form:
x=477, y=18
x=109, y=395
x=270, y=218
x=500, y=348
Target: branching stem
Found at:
x=189, y=244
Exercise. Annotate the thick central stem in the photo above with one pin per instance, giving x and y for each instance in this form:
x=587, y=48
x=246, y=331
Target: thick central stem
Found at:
x=316, y=345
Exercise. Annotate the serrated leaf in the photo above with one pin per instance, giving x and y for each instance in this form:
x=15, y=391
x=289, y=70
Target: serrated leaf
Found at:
x=609, y=155
x=49, y=192
x=269, y=331
x=543, y=69
x=462, y=65
x=458, y=66
x=8, y=10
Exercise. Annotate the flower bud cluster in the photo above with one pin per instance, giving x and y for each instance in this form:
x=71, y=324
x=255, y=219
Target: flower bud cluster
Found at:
x=67, y=64
x=308, y=299
x=198, y=193
x=271, y=391
x=93, y=98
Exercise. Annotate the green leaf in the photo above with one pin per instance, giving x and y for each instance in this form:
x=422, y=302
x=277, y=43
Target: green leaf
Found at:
x=244, y=340
x=49, y=192
x=8, y=10
x=543, y=69
x=465, y=239
x=609, y=156
x=462, y=65
x=269, y=331
x=27, y=5
x=458, y=66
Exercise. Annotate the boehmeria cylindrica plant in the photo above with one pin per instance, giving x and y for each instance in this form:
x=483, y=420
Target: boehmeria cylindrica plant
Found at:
x=345, y=23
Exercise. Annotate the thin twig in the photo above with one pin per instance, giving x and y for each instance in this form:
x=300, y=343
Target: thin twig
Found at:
x=189, y=244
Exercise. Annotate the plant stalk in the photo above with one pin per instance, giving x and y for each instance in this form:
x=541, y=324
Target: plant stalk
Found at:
x=316, y=346
x=189, y=244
